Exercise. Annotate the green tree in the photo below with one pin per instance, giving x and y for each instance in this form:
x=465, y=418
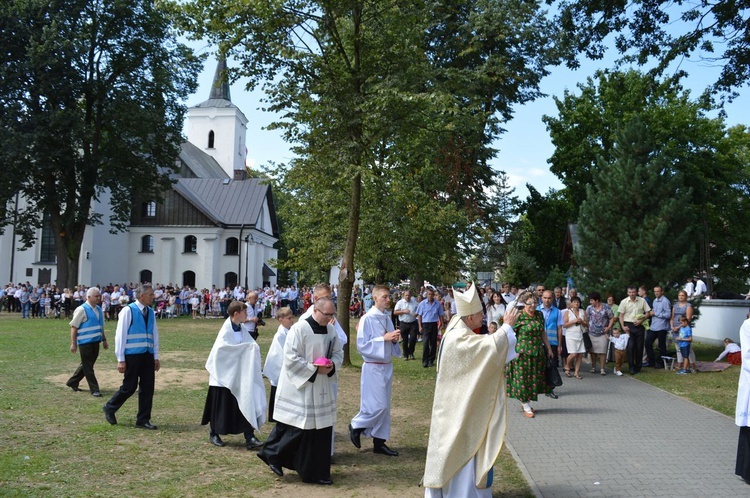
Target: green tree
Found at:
x=90, y=92
x=521, y=269
x=708, y=155
x=542, y=228
x=717, y=32
x=368, y=88
x=636, y=225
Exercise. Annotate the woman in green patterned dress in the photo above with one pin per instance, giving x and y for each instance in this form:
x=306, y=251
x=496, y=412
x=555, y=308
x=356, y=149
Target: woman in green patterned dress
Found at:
x=527, y=373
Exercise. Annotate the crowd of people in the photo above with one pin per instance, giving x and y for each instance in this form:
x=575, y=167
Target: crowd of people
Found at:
x=533, y=330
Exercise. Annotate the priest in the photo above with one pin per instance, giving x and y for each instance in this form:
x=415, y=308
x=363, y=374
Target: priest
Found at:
x=305, y=408
x=468, y=424
x=236, y=400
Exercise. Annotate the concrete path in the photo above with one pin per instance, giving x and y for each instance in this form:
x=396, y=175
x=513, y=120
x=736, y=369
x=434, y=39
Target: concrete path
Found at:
x=616, y=436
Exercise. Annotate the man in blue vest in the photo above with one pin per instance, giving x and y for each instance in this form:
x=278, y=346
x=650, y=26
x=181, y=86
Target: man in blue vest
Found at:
x=137, y=351
x=86, y=332
x=553, y=322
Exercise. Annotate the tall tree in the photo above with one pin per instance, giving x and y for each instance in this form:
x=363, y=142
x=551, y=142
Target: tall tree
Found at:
x=710, y=157
x=370, y=86
x=91, y=92
x=636, y=225
x=713, y=31
x=542, y=228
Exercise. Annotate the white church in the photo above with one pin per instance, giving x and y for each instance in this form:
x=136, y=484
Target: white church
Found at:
x=214, y=226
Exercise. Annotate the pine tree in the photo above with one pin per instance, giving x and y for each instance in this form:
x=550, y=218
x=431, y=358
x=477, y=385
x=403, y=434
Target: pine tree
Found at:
x=636, y=225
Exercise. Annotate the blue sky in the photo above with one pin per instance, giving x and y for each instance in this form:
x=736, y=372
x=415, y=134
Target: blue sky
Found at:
x=523, y=149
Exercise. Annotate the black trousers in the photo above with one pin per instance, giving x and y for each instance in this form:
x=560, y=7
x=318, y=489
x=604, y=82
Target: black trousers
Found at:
x=651, y=336
x=139, y=373
x=89, y=354
x=409, y=336
x=635, y=346
x=429, y=342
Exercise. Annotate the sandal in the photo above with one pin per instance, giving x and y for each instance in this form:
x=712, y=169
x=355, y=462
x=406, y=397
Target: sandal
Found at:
x=593, y=370
x=578, y=377
x=567, y=372
x=528, y=414
x=603, y=372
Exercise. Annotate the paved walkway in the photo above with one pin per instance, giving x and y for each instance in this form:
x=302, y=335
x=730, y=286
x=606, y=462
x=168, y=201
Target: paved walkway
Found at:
x=617, y=436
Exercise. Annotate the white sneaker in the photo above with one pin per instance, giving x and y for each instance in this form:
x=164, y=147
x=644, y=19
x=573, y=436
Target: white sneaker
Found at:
x=618, y=373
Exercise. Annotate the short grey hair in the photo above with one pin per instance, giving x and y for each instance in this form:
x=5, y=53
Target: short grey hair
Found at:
x=138, y=292
x=91, y=291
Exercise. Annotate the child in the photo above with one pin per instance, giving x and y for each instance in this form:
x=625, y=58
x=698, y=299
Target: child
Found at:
x=620, y=340
x=732, y=352
x=194, y=304
x=683, y=342
x=492, y=327
x=275, y=357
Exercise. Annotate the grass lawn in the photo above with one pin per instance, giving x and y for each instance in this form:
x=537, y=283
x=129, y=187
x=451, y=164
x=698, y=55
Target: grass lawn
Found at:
x=56, y=442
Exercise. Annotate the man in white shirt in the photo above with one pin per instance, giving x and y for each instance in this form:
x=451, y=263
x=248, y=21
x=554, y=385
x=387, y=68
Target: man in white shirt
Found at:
x=689, y=287
x=700, y=287
x=406, y=311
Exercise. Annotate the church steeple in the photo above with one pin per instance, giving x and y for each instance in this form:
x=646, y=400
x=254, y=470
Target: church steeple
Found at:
x=220, y=86
x=217, y=127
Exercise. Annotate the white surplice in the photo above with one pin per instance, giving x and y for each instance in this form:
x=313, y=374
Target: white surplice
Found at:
x=377, y=374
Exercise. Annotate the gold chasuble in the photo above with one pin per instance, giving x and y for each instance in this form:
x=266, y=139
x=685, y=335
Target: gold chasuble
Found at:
x=469, y=409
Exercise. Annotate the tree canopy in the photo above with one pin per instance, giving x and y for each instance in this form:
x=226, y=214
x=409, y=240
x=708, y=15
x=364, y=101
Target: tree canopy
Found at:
x=636, y=225
x=711, y=158
x=386, y=102
x=91, y=93
x=712, y=31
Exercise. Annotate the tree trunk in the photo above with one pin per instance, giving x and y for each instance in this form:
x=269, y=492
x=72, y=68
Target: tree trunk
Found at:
x=68, y=251
x=347, y=274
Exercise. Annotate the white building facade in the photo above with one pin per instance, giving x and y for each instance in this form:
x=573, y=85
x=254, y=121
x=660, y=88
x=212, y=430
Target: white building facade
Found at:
x=214, y=227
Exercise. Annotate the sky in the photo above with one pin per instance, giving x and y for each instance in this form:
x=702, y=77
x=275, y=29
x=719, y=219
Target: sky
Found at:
x=523, y=149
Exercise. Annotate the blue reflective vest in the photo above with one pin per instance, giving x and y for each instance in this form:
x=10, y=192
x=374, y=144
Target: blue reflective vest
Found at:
x=92, y=329
x=140, y=339
x=550, y=323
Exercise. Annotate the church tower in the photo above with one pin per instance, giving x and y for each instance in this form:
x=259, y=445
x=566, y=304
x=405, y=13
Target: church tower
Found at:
x=219, y=128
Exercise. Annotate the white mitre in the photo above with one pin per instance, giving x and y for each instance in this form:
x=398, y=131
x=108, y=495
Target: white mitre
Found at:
x=467, y=303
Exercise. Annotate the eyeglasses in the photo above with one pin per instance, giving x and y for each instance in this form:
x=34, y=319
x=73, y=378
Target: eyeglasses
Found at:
x=329, y=315
x=530, y=303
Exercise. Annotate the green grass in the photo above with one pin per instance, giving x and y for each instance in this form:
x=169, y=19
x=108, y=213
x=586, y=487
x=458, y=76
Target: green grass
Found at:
x=56, y=443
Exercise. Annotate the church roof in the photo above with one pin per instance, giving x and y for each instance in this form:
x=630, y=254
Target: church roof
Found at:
x=229, y=202
x=202, y=165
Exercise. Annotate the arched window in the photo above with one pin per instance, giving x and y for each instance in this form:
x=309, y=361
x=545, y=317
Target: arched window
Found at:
x=211, y=139
x=147, y=243
x=230, y=279
x=145, y=277
x=188, y=278
x=191, y=244
x=233, y=246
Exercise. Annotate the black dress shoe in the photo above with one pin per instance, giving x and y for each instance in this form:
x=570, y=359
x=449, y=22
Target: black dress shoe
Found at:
x=552, y=395
x=96, y=394
x=385, y=450
x=216, y=440
x=324, y=482
x=146, y=425
x=253, y=443
x=354, y=436
x=276, y=470
x=74, y=388
x=109, y=415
